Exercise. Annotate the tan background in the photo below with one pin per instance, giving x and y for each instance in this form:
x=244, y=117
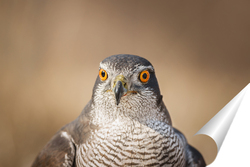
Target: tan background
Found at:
x=50, y=52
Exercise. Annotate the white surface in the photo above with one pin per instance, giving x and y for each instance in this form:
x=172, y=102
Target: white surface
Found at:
x=231, y=125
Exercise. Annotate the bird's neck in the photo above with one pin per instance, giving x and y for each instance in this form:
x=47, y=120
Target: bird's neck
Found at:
x=129, y=110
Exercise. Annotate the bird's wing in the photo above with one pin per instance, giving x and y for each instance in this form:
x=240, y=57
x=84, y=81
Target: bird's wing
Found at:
x=59, y=151
x=193, y=156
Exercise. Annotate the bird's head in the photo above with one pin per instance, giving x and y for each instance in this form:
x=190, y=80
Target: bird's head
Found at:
x=126, y=85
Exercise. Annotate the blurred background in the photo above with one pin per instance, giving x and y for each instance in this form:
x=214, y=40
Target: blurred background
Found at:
x=50, y=53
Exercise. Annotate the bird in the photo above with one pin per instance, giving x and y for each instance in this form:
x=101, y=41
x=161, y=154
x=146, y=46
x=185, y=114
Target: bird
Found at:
x=125, y=123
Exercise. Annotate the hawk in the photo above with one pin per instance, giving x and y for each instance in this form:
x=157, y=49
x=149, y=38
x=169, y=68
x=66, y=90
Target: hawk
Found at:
x=125, y=123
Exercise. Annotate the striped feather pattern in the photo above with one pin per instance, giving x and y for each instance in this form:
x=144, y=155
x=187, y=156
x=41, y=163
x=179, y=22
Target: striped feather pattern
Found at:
x=129, y=143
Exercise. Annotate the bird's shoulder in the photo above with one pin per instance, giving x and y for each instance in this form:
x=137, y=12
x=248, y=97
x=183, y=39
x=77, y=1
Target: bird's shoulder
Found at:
x=61, y=149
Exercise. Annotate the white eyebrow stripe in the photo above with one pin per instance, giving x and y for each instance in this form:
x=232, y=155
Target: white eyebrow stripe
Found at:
x=105, y=65
x=141, y=68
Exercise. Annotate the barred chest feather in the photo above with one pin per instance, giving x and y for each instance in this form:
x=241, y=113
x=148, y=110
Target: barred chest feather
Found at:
x=130, y=143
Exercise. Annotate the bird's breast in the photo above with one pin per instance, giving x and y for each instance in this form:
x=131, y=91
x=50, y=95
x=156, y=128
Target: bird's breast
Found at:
x=132, y=144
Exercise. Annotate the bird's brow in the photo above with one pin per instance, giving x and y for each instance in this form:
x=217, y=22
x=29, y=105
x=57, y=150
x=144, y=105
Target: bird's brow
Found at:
x=142, y=68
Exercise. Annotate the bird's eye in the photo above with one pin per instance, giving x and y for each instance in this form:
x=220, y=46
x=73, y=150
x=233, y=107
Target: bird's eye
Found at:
x=103, y=74
x=144, y=76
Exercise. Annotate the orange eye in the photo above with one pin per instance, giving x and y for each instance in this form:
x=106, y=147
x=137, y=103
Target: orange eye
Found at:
x=103, y=74
x=144, y=76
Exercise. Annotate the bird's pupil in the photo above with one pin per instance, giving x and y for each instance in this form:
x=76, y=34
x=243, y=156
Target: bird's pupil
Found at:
x=144, y=76
x=103, y=74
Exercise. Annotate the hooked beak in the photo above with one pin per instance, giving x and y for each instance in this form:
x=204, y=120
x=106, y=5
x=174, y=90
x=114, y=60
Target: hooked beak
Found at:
x=120, y=88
